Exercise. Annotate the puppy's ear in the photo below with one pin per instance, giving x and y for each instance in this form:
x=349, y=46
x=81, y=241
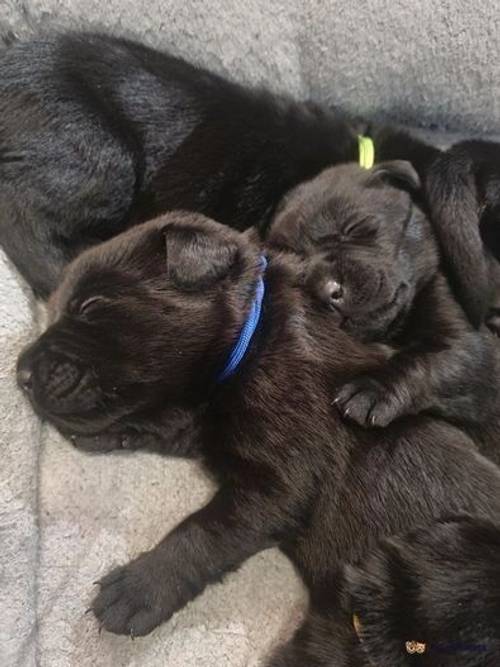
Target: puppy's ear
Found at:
x=252, y=235
x=399, y=173
x=197, y=259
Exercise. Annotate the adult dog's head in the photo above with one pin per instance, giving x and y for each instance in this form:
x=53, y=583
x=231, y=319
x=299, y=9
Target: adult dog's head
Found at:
x=368, y=248
x=143, y=320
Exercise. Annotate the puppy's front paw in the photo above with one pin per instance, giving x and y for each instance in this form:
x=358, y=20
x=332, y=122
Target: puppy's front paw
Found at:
x=131, y=600
x=369, y=403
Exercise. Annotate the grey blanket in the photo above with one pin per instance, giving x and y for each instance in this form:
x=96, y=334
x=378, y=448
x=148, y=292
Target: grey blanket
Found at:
x=66, y=517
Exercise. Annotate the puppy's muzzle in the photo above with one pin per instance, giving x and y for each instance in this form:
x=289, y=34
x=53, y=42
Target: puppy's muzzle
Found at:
x=53, y=382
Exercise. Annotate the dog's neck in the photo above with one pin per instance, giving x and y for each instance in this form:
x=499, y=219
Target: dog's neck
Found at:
x=248, y=329
x=293, y=332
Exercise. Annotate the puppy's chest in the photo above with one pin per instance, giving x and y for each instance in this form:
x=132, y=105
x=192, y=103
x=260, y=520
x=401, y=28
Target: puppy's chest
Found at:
x=270, y=425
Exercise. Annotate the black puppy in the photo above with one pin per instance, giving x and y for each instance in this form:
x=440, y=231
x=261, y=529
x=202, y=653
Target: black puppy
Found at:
x=180, y=313
x=372, y=261
x=99, y=133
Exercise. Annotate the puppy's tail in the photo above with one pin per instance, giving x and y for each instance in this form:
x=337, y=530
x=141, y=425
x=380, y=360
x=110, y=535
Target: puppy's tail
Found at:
x=455, y=209
x=431, y=597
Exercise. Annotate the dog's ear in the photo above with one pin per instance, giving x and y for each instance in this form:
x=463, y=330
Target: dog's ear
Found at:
x=399, y=173
x=251, y=235
x=196, y=259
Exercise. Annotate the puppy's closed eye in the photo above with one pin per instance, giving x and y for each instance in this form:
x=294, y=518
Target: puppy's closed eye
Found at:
x=361, y=228
x=89, y=305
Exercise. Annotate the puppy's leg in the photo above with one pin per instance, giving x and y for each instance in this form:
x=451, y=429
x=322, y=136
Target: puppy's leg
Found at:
x=25, y=238
x=448, y=368
x=452, y=192
x=56, y=201
x=236, y=524
x=172, y=432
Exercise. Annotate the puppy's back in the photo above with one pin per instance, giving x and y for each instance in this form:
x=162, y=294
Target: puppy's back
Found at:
x=408, y=475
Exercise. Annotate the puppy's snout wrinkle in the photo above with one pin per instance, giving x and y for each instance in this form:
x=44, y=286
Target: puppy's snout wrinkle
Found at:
x=60, y=376
x=52, y=374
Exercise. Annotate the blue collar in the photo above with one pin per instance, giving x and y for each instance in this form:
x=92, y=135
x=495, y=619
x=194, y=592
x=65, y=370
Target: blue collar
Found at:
x=248, y=330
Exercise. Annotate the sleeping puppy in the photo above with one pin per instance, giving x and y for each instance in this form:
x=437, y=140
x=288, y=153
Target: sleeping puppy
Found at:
x=99, y=133
x=182, y=314
x=371, y=261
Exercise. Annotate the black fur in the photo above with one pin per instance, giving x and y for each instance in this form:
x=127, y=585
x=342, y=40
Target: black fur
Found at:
x=463, y=190
x=372, y=260
x=99, y=133
x=398, y=592
x=140, y=327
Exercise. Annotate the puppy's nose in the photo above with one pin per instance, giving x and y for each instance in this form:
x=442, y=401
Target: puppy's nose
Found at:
x=334, y=290
x=25, y=379
x=333, y=293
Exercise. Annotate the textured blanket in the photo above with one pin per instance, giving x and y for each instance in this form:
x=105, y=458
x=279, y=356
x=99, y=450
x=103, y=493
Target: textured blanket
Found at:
x=67, y=517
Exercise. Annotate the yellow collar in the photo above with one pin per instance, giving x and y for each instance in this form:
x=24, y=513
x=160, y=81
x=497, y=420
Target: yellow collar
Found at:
x=366, y=152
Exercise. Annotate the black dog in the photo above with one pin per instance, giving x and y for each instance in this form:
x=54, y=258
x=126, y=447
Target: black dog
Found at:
x=144, y=324
x=99, y=133
x=372, y=261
